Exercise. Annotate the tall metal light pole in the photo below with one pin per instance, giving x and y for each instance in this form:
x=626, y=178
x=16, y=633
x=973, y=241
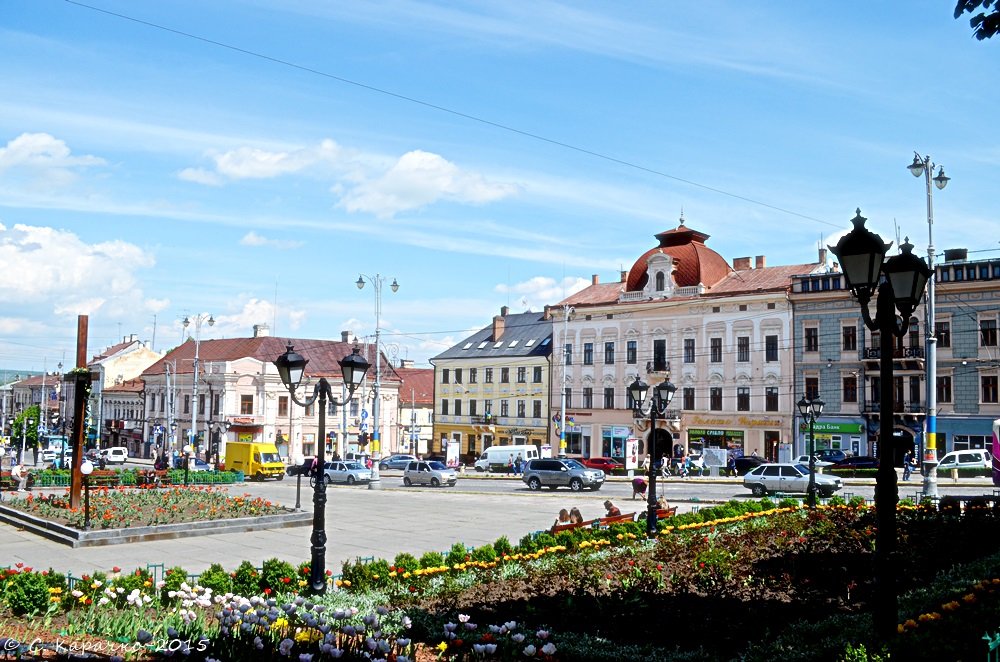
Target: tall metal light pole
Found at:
x=376, y=483
x=657, y=405
x=291, y=366
x=198, y=319
x=922, y=166
x=811, y=409
x=567, y=311
x=899, y=282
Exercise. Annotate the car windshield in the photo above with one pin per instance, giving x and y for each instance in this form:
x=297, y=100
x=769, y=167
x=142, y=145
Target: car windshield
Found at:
x=573, y=464
x=437, y=465
x=803, y=469
x=270, y=457
x=351, y=466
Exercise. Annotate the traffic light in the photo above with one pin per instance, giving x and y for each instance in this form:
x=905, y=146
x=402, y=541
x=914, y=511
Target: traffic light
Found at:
x=363, y=439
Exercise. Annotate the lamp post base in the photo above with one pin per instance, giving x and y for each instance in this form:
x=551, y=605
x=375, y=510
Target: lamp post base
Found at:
x=375, y=483
x=930, y=488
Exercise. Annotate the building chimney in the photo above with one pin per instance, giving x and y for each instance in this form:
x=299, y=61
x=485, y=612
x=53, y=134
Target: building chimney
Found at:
x=822, y=256
x=406, y=363
x=345, y=336
x=760, y=262
x=498, y=324
x=594, y=280
x=261, y=330
x=624, y=277
x=741, y=263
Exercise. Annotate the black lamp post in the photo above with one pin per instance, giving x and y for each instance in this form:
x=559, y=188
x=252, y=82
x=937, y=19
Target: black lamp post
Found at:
x=187, y=462
x=900, y=283
x=86, y=468
x=291, y=365
x=811, y=409
x=658, y=402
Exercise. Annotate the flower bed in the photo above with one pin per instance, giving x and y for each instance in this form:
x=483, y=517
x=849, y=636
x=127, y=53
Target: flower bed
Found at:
x=132, y=477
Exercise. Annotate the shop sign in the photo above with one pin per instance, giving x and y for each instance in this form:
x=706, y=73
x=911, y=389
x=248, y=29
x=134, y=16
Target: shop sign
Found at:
x=827, y=427
x=742, y=421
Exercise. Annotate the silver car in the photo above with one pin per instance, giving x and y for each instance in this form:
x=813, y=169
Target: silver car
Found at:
x=431, y=473
x=788, y=478
x=553, y=473
x=344, y=472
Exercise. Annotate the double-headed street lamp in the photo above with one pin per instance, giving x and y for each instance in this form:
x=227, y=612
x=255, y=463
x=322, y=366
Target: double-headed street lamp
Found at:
x=291, y=365
x=923, y=166
x=811, y=409
x=375, y=483
x=900, y=282
x=198, y=319
x=656, y=406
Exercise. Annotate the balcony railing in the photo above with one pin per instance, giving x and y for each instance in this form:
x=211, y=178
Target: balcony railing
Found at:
x=875, y=353
x=898, y=407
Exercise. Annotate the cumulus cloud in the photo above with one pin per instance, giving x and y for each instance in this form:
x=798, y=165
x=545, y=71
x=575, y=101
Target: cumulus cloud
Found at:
x=418, y=179
x=253, y=239
x=543, y=291
x=200, y=176
x=156, y=305
x=68, y=273
x=254, y=163
x=41, y=159
x=252, y=311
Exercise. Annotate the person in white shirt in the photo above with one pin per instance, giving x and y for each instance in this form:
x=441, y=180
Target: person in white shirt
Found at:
x=18, y=474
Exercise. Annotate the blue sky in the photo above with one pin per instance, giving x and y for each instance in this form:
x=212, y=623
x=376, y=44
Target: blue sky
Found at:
x=249, y=158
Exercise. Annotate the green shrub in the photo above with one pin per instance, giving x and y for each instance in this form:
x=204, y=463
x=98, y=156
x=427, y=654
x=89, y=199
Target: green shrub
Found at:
x=767, y=504
x=457, y=554
x=130, y=582
x=406, y=562
x=26, y=593
x=527, y=544
x=484, y=554
x=246, y=580
x=837, y=501
x=431, y=560
x=278, y=575
x=217, y=579
x=502, y=546
x=172, y=582
x=789, y=503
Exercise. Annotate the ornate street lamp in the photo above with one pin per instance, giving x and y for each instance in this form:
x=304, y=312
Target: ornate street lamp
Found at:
x=900, y=282
x=811, y=409
x=86, y=469
x=655, y=406
x=198, y=319
x=291, y=366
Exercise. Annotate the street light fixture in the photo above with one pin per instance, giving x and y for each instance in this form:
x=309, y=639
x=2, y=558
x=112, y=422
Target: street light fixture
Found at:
x=656, y=405
x=198, y=319
x=86, y=469
x=187, y=462
x=923, y=166
x=377, y=280
x=291, y=365
x=811, y=409
x=900, y=283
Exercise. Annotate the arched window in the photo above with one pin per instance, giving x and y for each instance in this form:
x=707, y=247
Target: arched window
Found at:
x=659, y=281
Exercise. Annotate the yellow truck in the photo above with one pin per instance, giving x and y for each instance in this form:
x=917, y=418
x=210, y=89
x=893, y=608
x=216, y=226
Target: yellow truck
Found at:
x=257, y=461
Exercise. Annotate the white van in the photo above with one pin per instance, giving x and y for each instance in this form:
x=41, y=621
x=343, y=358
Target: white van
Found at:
x=496, y=458
x=115, y=454
x=970, y=459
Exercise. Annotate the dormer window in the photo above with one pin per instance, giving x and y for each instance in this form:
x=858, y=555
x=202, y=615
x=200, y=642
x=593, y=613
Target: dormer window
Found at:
x=659, y=281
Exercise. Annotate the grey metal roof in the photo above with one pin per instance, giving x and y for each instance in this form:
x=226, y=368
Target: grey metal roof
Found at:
x=524, y=335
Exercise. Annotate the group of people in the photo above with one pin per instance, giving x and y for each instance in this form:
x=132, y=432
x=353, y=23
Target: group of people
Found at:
x=574, y=516
x=515, y=465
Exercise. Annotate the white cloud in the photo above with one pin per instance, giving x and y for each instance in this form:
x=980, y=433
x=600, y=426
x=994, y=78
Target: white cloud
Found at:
x=255, y=163
x=418, y=179
x=200, y=176
x=540, y=291
x=251, y=311
x=156, y=305
x=253, y=239
x=40, y=160
x=71, y=275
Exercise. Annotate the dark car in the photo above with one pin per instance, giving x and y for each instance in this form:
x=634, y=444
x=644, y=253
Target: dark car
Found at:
x=831, y=455
x=856, y=462
x=747, y=463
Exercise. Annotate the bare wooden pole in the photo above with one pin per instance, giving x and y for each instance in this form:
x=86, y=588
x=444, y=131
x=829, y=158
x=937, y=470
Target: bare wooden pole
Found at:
x=81, y=391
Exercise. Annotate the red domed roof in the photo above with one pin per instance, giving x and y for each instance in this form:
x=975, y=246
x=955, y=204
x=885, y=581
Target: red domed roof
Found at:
x=694, y=262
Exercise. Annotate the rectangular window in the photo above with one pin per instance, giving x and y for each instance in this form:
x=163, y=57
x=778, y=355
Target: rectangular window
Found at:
x=715, y=398
x=771, y=398
x=850, y=335
x=163, y=402
x=631, y=352
x=743, y=349
x=458, y=375
x=850, y=389
x=520, y=409
x=944, y=388
x=536, y=408
x=522, y=375
x=989, y=388
x=504, y=408
x=536, y=375
x=216, y=403
x=588, y=397
x=915, y=390
x=458, y=407
x=355, y=408
x=309, y=411
x=987, y=333
x=812, y=388
x=473, y=408
x=812, y=339
x=488, y=377
x=743, y=398
x=445, y=375
x=246, y=405
x=688, y=398
x=771, y=348
x=588, y=353
x=689, y=350
x=444, y=407
x=609, y=353
x=568, y=393
x=282, y=405
x=716, y=347
x=568, y=349
x=660, y=355
x=201, y=403
x=331, y=408
x=187, y=404
x=505, y=375
x=943, y=332
x=473, y=375
x=609, y=397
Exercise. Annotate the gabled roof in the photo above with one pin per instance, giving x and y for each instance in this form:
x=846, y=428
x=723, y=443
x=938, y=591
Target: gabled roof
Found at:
x=127, y=386
x=323, y=355
x=524, y=335
x=114, y=349
x=417, y=387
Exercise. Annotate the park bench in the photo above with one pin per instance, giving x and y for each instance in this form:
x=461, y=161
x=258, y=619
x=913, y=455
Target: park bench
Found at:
x=556, y=528
x=152, y=477
x=614, y=519
x=8, y=483
x=664, y=513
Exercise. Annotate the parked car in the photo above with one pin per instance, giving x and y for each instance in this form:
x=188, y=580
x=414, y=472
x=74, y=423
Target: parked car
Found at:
x=363, y=458
x=804, y=459
x=605, y=464
x=746, y=463
x=788, y=477
x=115, y=454
x=831, y=455
x=553, y=473
x=435, y=474
x=348, y=472
x=977, y=458
x=395, y=462
x=52, y=455
x=856, y=462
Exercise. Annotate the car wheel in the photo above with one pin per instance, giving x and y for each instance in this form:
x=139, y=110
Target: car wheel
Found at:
x=351, y=480
x=758, y=490
x=407, y=482
x=576, y=484
x=383, y=467
x=435, y=482
x=534, y=483
x=259, y=476
x=280, y=476
x=480, y=470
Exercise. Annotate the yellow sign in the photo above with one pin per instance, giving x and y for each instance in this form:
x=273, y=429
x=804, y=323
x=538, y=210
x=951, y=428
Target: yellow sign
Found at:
x=742, y=421
x=246, y=437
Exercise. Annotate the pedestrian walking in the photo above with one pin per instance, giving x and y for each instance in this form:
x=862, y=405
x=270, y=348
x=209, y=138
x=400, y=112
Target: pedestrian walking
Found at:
x=518, y=465
x=907, y=465
x=510, y=464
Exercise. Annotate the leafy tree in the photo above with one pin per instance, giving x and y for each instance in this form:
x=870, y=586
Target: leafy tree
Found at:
x=30, y=432
x=986, y=23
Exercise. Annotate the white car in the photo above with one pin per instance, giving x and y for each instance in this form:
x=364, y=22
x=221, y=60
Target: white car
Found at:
x=804, y=459
x=788, y=478
x=976, y=458
x=115, y=454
